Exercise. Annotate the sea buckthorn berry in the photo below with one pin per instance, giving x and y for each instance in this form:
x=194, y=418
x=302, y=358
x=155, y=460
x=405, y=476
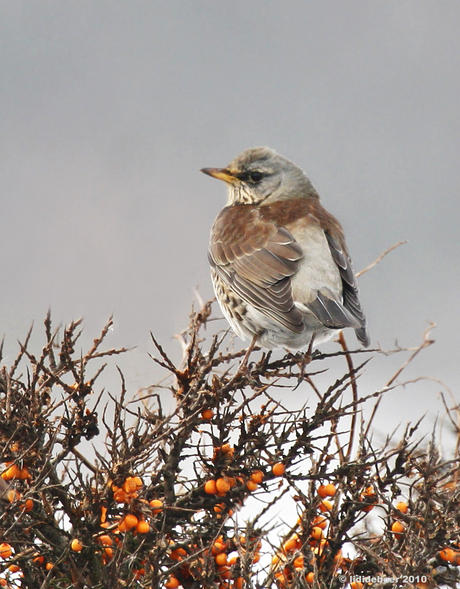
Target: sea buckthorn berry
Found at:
x=223, y=485
x=38, y=559
x=402, y=506
x=298, y=562
x=178, y=554
x=291, y=543
x=221, y=559
x=398, y=529
x=28, y=505
x=210, y=487
x=320, y=522
x=76, y=545
x=156, y=505
x=310, y=577
x=12, y=472
x=105, y=540
x=172, y=582
x=325, y=505
x=12, y=495
x=316, y=533
x=5, y=550
x=251, y=486
x=279, y=469
x=130, y=521
x=207, y=414
x=257, y=476
x=143, y=527
x=328, y=490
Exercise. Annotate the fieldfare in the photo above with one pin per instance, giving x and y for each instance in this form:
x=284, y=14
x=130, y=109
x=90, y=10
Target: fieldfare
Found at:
x=279, y=263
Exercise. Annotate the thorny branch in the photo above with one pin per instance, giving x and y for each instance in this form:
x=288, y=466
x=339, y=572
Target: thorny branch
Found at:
x=215, y=477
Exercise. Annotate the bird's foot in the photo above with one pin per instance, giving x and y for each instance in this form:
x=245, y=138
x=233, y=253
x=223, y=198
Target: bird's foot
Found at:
x=305, y=360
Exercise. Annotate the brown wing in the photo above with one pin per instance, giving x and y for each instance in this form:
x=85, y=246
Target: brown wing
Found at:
x=256, y=259
x=350, y=293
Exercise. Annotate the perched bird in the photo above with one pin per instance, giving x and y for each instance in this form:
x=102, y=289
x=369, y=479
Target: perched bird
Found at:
x=279, y=263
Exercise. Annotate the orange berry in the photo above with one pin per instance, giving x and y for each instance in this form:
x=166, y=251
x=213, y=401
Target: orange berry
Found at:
x=5, y=550
x=24, y=474
x=316, y=533
x=12, y=495
x=49, y=566
x=13, y=568
x=121, y=496
x=105, y=540
x=398, y=529
x=138, y=482
x=298, y=562
x=177, y=554
x=239, y=583
x=156, y=505
x=172, y=582
x=210, y=487
x=369, y=498
x=11, y=473
x=402, y=506
x=257, y=476
x=251, y=486
x=447, y=554
x=221, y=559
x=328, y=490
x=278, y=469
x=320, y=522
x=129, y=486
x=143, y=527
x=108, y=553
x=223, y=485
x=310, y=577
x=38, y=559
x=76, y=545
x=291, y=543
x=130, y=521
x=218, y=546
x=325, y=505
x=225, y=572
x=207, y=414
x=28, y=505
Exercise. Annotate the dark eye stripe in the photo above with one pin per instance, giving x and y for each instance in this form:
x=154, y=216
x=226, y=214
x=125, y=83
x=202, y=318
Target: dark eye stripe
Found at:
x=249, y=176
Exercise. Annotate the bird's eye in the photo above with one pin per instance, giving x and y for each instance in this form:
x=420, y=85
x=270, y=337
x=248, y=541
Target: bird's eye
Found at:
x=255, y=176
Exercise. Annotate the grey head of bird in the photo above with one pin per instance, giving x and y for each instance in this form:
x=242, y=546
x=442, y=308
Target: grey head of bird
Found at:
x=261, y=176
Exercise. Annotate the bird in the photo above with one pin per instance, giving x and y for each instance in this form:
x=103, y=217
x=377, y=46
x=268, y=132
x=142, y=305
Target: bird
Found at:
x=280, y=266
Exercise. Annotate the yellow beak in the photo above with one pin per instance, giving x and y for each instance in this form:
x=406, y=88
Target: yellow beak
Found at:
x=220, y=174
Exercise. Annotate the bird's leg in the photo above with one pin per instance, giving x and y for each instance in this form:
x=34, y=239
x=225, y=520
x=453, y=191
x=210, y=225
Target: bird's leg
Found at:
x=244, y=363
x=305, y=361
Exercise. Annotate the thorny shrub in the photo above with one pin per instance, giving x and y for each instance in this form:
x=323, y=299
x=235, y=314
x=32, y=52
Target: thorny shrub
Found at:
x=191, y=496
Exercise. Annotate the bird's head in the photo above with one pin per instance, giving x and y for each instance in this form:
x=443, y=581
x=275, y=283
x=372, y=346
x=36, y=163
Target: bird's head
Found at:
x=260, y=175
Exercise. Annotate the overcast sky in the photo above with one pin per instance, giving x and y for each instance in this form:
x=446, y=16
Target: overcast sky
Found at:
x=109, y=109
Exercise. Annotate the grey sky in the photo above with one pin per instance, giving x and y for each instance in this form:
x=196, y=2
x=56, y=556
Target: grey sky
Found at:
x=109, y=109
